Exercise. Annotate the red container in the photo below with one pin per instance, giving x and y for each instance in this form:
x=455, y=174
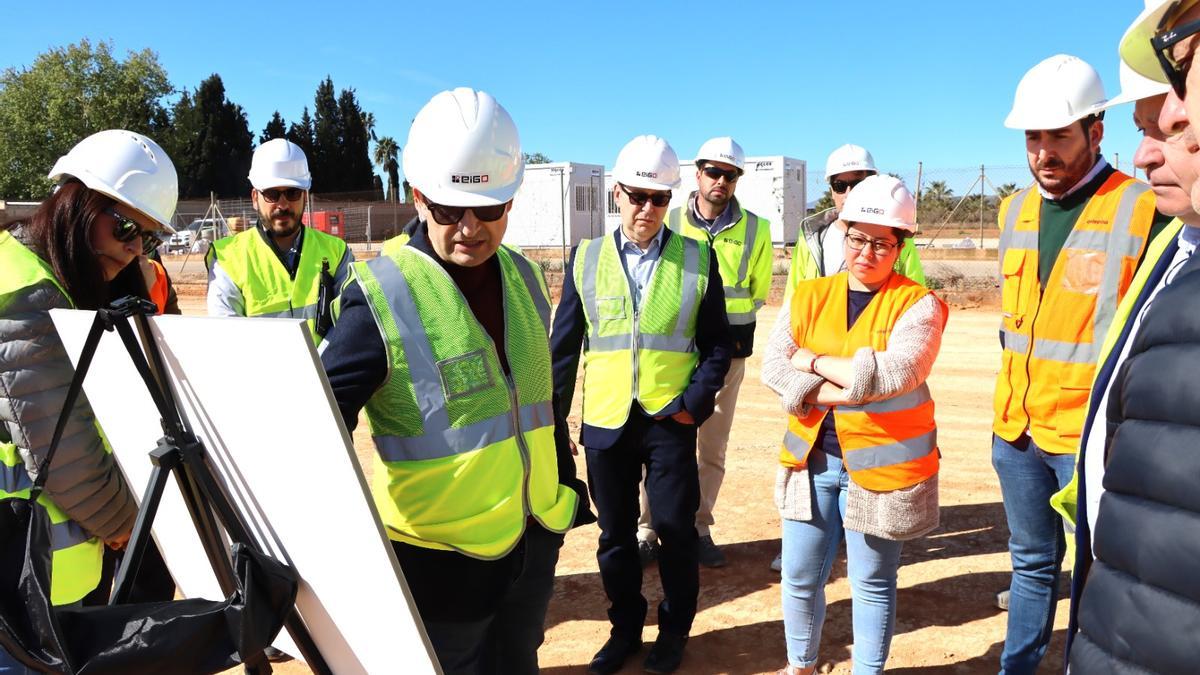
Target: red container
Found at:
x=329, y=222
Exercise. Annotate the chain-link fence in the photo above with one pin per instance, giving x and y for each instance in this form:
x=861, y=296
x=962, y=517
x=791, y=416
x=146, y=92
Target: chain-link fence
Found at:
x=359, y=222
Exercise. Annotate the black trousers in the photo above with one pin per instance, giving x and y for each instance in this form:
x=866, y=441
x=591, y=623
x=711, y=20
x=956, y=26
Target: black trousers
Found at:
x=667, y=451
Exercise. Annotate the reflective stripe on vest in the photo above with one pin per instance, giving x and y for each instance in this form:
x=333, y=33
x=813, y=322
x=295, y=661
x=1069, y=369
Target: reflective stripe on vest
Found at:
x=1053, y=336
x=76, y=557
x=644, y=353
x=886, y=445
x=465, y=454
x=737, y=284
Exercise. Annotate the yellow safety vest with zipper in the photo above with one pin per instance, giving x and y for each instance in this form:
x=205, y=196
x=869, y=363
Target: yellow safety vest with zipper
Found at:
x=267, y=288
x=465, y=454
x=76, y=556
x=643, y=352
x=744, y=257
x=1052, y=336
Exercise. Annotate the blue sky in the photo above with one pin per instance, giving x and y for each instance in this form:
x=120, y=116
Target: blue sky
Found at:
x=926, y=81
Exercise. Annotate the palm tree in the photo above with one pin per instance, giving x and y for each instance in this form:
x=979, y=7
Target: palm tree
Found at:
x=1006, y=190
x=386, y=154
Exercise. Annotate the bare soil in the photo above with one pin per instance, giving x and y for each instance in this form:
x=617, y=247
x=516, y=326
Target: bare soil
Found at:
x=946, y=621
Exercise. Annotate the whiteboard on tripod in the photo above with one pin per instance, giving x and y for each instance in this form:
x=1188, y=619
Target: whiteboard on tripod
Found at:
x=254, y=391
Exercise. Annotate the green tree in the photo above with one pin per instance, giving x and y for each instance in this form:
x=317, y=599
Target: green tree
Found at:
x=535, y=158
x=936, y=202
x=387, y=153
x=355, y=171
x=1006, y=190
x=69, y=93
x=211, y=143
x=825, y=202
x=326, y=155
x=276, y=128
x=301, y=133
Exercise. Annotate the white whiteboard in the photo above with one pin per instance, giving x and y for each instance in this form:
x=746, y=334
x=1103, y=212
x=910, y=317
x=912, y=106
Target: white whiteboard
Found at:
x=254, y=392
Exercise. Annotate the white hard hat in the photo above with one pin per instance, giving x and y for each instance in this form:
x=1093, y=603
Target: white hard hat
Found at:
x=881, y=200
x=463, y=150
x=647, y=162
x=126, y=166
x=1134, y=87
x=1056, y=93
x=722, y=149
x=279, y=163
x=849, y=157
x=1136, y=49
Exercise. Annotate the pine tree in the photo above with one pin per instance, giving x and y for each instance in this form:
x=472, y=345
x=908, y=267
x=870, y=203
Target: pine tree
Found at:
x=276, y=128
x=326, y=158
x=211, y=143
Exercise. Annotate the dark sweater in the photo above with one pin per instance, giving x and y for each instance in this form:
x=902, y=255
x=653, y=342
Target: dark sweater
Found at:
x=827, y=440
x=1139, y=610
x=446, y=586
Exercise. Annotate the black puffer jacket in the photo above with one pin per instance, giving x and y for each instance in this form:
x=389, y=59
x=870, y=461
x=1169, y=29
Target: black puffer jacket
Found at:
x=1140, y=607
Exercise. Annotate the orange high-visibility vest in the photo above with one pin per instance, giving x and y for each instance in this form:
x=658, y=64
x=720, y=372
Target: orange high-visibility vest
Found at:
x=158, y=292
x=886, y=445
x=1052, y=336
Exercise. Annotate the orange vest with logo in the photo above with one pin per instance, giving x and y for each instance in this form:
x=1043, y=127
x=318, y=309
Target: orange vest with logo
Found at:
x=886, y=445
x=1052, y=336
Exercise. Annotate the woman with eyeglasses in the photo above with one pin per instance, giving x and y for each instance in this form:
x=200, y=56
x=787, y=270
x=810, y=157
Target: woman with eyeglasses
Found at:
x=818, y=250
x=849, y=356
x=116, y=190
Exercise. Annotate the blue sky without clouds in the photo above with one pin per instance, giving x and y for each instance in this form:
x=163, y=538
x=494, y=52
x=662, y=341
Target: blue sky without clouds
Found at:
x=916, y=81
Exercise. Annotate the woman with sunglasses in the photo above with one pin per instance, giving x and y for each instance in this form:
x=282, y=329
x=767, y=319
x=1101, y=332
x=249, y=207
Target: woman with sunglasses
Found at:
x=849, y=356
x=116, y=190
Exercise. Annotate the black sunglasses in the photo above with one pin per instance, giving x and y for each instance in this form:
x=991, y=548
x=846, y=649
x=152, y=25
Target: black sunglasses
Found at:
x=714, y=173
x=272, y=194
x=840, y=186
x=451, y=215
x=1164, y=40
x=659, y=199
x=126, y=230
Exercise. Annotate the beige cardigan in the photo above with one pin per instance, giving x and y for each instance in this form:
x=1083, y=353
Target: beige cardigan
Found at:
x=912, y=348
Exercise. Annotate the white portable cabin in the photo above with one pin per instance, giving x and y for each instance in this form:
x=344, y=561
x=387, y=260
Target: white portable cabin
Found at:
x=773, y=186
x=558, y=204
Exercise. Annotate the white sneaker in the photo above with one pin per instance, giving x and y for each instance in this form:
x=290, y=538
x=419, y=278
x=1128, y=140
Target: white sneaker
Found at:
x=777, y=563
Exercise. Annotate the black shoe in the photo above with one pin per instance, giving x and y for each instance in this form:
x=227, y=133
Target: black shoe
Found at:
x=710, y=555
x=613, y=654
x=666, y=654
x=647, y=552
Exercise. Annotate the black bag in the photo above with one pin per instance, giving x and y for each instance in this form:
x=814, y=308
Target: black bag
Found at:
x=184, y=636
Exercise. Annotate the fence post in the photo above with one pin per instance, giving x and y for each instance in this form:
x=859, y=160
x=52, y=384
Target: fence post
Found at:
x=917, y=205
x=982, y=199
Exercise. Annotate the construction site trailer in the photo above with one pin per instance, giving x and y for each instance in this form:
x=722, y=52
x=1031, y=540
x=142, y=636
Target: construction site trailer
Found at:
x=773, y=187
x=559, y=204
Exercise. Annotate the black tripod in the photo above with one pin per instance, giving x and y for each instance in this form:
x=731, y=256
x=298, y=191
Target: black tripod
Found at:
x=179, y=452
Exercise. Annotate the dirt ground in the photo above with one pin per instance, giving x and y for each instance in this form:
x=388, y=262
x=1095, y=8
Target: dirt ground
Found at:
x=946, y=620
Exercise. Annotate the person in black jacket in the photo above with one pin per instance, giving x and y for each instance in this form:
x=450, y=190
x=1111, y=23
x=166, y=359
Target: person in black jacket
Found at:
x=645, y=420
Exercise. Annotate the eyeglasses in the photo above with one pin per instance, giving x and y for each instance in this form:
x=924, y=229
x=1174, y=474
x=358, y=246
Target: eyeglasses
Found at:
x=1164, y=40
x=126, y=230
x=451, y=215
x=716, y=174
x=881, y=247
x=272, y=195
x=658, y=199
x=840, y=186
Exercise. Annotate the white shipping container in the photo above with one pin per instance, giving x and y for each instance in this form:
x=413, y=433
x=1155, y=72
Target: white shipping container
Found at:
x=558, y=204
x=773, y=187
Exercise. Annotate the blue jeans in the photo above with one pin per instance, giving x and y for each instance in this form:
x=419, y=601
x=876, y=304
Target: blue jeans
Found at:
x=10, y=665
x=1028, y=476
x=808, y=552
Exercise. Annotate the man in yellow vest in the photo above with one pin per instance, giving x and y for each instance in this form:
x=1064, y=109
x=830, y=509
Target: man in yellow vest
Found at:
x=278, y=268
x=1069, y=246
x=646, y=306
x=742, y=243
x=444, y=341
